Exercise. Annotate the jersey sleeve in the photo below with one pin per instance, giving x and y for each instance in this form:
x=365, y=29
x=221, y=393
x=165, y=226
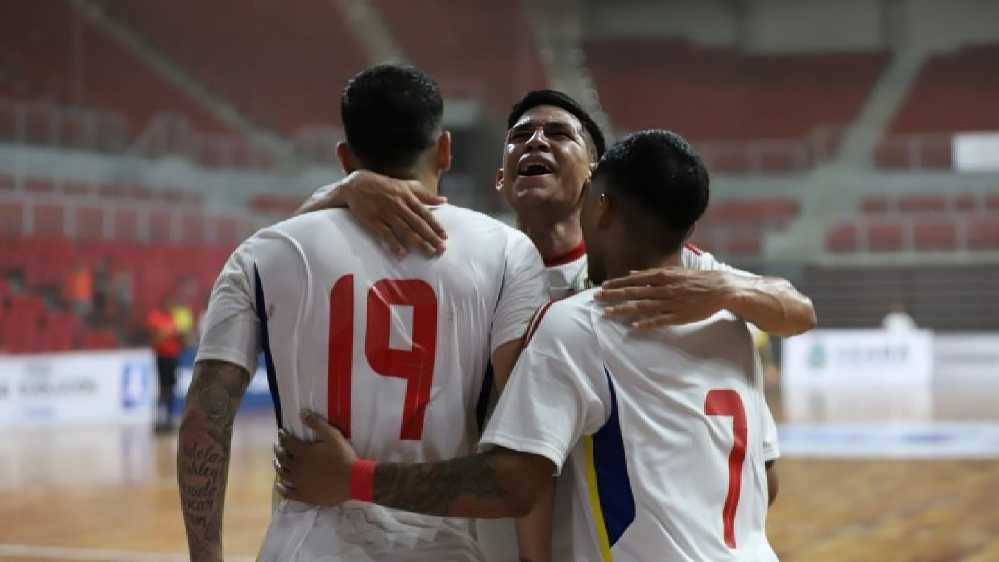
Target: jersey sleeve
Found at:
x=230, y=328
x=771, y=448
x=695, y=258
x=556, y=393
x=524, y=289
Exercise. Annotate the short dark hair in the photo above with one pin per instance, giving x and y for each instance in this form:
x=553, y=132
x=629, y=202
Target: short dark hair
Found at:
x=663, y=178
x=390, y=113
x=558, y=99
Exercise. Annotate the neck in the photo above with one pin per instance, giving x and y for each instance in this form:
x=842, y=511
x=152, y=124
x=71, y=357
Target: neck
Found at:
x=626, y=260
x=554, y=239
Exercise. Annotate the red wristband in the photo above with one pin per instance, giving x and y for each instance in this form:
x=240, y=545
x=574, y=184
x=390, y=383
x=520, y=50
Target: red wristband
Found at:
x=362, y=480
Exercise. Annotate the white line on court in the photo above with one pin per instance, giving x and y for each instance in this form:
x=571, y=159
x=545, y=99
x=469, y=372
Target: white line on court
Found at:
x=95, y=554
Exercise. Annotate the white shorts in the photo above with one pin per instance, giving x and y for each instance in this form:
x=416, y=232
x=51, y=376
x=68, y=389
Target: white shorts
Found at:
x=360, y=532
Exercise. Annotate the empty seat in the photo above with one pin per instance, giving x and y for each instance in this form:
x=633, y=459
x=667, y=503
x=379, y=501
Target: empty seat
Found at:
x=843, y=238
x=935, y=236
x=884, y=237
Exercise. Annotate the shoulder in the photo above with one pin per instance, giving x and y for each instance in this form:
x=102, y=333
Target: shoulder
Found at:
x=568, y=321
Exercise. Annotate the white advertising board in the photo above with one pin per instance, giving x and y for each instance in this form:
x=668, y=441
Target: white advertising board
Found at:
x=858, y=375
x=975, y=152
x=77, y=388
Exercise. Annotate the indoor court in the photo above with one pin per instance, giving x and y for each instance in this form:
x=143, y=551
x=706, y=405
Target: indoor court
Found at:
x=852, y=149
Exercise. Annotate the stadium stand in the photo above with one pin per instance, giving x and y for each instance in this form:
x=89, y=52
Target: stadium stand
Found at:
x=466, y=52
x=281, y=63
x=920, y=223
x=953, y=92
x=50, y=53
x=737, y=227
x=37, y=317
x=704, y=92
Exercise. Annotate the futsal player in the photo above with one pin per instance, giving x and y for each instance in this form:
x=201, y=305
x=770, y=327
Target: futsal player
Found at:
x=392, y=350
x=549, y=151
x=662, y=438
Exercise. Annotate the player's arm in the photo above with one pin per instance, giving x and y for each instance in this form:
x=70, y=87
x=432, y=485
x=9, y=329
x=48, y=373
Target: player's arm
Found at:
x=203, y=453
x=676, y=295
x=497, y=483
x=393, y=210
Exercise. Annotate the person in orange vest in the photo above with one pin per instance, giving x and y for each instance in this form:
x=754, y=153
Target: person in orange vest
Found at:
x=168, y=344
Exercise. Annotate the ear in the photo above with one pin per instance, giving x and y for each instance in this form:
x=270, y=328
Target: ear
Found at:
x=348, y=161
x=606, y=210
x=499, y=179
x=444, y=151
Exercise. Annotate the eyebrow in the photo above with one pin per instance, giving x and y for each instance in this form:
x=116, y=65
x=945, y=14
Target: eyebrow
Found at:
x=528, y=125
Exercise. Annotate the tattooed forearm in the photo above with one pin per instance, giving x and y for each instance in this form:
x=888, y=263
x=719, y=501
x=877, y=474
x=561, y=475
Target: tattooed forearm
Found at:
x=203, y=453
x=494, y=484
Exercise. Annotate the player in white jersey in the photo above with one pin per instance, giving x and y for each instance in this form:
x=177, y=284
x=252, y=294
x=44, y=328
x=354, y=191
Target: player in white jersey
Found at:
x=551, y=129
x=392, y=350
x=662, y=438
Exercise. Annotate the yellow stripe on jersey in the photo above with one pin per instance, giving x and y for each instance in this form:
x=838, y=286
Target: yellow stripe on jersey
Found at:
x=603, y=541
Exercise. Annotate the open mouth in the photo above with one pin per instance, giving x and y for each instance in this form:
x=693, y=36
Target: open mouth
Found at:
x=534, y=169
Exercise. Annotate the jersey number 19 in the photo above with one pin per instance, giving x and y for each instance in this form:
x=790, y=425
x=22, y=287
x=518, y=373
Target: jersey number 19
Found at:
x=415, y=365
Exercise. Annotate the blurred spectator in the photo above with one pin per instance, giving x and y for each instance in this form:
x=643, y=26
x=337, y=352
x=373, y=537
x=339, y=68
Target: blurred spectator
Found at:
x=121, y=287
x=168, y=345
x=80, y=289
x=898, y=319
x=101, y=289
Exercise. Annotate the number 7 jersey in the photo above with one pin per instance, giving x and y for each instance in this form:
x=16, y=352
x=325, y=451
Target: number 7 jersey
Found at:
x=393, y=351
x=661, y=436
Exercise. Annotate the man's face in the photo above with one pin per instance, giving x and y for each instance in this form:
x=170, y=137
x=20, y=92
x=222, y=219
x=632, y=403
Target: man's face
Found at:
x=545, y=161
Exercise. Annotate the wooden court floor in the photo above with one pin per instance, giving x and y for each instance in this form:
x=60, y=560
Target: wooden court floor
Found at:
x=110, y=494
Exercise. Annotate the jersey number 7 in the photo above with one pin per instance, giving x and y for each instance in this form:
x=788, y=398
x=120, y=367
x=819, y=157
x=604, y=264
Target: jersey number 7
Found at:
x=726, y=402
x=415, y=365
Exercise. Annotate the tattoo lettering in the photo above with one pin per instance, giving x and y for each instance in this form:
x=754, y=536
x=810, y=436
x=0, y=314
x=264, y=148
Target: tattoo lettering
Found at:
x=203, y=453
x=431, y=488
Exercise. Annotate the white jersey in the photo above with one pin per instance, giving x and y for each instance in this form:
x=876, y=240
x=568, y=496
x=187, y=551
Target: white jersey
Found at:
x=393, y=351
x=567, y=275
x=663, y=436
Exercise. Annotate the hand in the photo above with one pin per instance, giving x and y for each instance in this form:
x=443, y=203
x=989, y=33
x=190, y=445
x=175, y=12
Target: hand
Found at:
x=666, y=296
x=318, y=472
x=395, y=212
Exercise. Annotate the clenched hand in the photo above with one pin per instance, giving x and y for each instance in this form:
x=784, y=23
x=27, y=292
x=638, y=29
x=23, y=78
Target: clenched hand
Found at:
x=318, y=472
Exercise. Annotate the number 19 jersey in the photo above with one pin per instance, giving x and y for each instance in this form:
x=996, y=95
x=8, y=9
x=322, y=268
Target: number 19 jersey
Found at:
x=392, y=350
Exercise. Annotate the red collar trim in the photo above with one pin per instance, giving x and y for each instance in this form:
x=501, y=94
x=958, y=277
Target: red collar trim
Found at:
x=571, y=256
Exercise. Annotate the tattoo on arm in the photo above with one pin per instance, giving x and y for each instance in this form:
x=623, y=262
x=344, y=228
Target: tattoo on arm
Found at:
x=203, y=452
x=434, y=488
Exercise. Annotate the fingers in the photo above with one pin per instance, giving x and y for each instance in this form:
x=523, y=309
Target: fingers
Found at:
x=388, y=239
x=425, y=229
x=636, y=308
x=403, y=232
x=659, y=276
x=290, y=444
x=628, y=294
x=657, y=322
x=287, y=491
x=324, y=431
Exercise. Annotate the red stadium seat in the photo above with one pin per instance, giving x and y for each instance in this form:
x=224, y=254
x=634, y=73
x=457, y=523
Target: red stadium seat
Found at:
x=922, y=203
x=843, y=238
x=935, y=236
x=884, y=237
x=984, y=234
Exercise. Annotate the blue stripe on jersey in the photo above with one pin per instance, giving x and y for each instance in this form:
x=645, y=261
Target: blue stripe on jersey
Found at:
x=265, y=338
x=482, y=404
x=611, y=466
